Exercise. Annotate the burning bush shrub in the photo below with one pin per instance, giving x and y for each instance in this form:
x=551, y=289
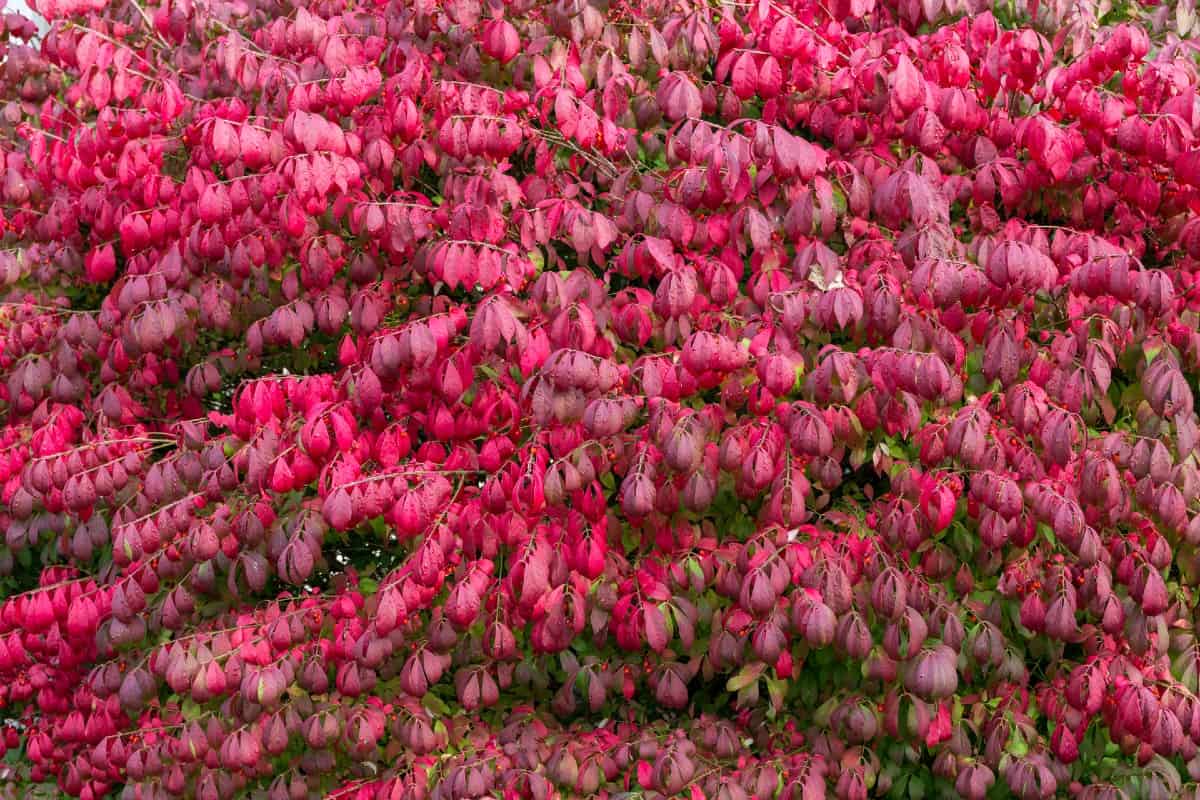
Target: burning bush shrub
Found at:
x=633, y=399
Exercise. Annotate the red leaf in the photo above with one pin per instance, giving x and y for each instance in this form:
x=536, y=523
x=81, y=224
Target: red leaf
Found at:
x=744, y=76
x=656, y=627
x=939, y=727
x=907, y=86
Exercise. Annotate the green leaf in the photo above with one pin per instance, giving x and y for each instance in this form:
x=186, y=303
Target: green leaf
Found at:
x=1047, y=533
x=777, y=691
x=1017, y=746
x=537, y=259
x=745, y=676
x=435, y=704
x=742, y=525
x=629, y=539
x=798, y=384
x=823, y=713
x=191, y=709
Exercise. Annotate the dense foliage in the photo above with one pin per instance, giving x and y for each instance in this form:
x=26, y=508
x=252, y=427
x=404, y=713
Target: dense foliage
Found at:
x=638, y=398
